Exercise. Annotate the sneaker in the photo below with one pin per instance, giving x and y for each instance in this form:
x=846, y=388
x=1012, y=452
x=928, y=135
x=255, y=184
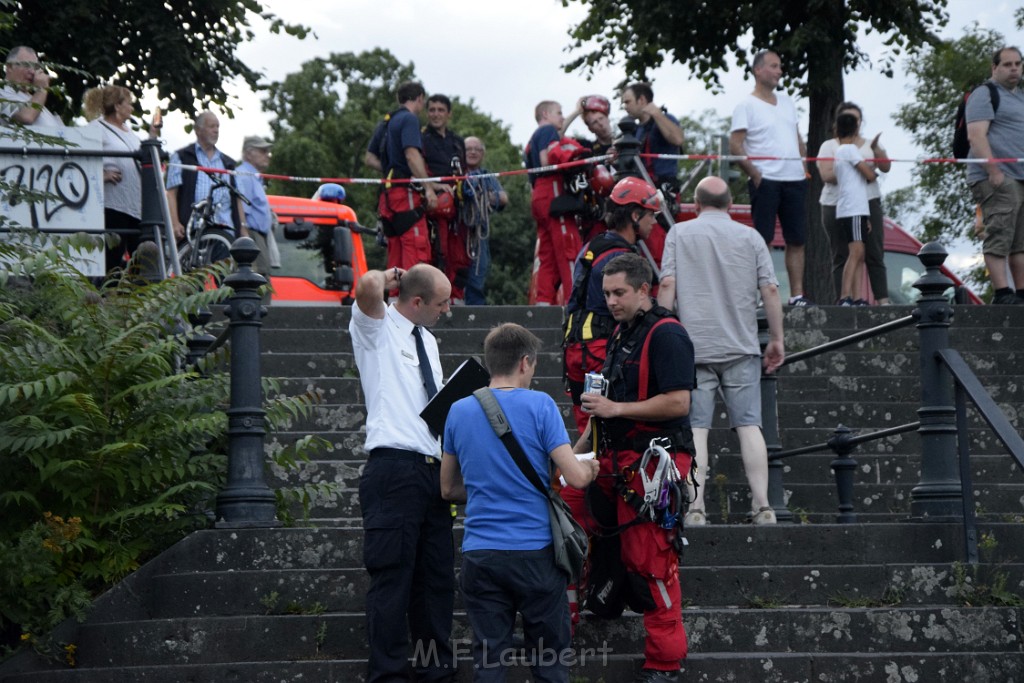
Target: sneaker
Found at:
x=800, y=301
x=695, y=518
x=1007, y=299
x=655, y=676
x=845, y=301
x=764, y=516
x=861, y=302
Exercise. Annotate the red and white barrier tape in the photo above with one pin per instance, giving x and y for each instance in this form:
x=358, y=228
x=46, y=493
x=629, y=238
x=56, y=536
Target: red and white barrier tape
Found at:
x=380, y=181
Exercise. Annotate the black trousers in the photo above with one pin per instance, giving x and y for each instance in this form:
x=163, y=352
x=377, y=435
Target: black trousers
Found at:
x=409, y=553
x=498, y=583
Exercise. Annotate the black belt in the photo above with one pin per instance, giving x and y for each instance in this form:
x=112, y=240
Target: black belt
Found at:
x=402, y=454
x=678, y=441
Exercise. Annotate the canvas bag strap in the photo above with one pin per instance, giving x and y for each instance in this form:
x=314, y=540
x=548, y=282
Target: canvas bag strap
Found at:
x=496, y=416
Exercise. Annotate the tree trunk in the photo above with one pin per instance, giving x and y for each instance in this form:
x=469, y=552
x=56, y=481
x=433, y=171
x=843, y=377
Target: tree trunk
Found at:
x=825, y=93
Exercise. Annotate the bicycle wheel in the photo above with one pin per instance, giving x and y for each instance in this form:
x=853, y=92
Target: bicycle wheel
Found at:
x=213, y=245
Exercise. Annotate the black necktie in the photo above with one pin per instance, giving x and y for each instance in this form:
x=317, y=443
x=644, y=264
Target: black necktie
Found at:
x=425, y=370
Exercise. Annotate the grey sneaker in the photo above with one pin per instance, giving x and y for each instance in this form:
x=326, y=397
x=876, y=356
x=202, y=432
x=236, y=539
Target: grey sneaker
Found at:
x=764, y=516
x=695, y=518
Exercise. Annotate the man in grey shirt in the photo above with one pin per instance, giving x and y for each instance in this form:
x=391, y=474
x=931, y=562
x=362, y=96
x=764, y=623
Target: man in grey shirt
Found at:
x=995, y=129
x=712, y=271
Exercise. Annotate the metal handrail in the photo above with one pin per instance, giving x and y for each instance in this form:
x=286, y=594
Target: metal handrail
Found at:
x=968, y=386
x=850, y=440
x=835, y=344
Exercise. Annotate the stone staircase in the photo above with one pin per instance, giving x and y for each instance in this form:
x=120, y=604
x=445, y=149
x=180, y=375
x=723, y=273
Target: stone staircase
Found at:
x=882, y=600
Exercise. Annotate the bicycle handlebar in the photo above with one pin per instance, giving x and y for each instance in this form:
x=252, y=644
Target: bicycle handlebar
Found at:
x=217, y=181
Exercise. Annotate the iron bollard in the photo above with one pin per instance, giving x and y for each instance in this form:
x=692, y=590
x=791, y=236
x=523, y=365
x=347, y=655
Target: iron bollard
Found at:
x=844, y=467
x=199, y=344
x=770, y=429
x=627, y=147
x=937, y=496
x=245, y=500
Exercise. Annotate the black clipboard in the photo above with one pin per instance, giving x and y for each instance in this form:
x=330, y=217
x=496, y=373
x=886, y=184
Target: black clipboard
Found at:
x=466, y=379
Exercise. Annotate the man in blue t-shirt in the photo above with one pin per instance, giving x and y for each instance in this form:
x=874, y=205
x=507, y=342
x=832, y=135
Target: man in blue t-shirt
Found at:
x=508, y=563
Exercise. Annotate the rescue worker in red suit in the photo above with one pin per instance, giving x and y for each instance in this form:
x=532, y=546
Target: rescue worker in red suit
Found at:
x=445, y=154
x=633, y=205
x=558, y=238
x=396, y=150
x=650, y=373
x=594, y=110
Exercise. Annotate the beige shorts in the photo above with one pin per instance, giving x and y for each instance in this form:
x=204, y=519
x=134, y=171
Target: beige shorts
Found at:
x=1002, y=213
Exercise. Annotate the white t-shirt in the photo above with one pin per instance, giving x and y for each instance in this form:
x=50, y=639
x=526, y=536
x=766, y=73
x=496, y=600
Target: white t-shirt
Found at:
x=853, y=187
x=772, y=132
x=389, y=371
x=12, y=100
x=830, y=191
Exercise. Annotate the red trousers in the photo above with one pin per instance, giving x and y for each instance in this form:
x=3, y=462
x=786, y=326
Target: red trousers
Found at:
x=452, y=238
x=581, y=358
x=646, y=550
x=412, y=246
x=558, y=242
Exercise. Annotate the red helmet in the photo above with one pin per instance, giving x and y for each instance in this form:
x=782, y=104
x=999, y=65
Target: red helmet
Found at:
x=635, y=191
x=601, y=179
x=596, y=103
x=565, y=150
x=445, y=206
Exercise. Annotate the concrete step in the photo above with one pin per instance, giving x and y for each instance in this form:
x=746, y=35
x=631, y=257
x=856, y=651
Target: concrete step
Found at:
x=711, y=546
x=311, y=591
x=219, y=640
x=459, y=317
x=897, y=470
x=996, y=667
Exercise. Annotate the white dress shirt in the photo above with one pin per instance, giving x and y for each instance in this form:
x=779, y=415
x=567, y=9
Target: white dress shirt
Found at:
x=389, y=371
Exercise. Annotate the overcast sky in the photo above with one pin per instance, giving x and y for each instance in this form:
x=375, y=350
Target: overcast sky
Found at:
x=507, y=57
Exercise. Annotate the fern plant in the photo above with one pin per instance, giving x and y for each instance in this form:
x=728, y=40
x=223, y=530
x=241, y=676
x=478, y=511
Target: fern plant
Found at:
x=102, y=428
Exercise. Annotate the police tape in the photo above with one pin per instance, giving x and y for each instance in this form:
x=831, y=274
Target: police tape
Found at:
x=742, y=157
x=397, y=181
x=573, y=164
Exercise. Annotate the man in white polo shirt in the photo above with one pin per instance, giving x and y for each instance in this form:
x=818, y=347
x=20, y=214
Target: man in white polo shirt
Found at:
x=408, y=548
x=765, y=124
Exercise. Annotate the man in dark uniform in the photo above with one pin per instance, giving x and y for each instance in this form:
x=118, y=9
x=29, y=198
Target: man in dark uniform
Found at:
x=396, y=150
x=650, y=373
x=588, y=323
x=659, y=133
x=445, y=153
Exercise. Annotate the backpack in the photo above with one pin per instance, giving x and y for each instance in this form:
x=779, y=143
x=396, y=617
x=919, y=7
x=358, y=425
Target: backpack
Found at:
x=961, y=145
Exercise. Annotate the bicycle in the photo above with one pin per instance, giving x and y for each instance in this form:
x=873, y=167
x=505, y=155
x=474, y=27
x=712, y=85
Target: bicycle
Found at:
x=207, y=241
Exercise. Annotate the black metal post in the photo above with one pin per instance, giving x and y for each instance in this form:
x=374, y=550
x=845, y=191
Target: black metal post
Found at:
x=770, y=428
x=844, y=467
x=198, y=344
x=628, y=147
x=246, y=500
x=151, y=224
x=937, y=496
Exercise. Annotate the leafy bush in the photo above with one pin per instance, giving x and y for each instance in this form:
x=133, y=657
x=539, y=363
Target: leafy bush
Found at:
x=111, y=450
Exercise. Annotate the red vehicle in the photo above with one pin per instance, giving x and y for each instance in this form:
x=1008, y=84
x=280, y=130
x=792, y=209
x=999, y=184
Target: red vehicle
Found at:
x=903, y=268
x=321, y=247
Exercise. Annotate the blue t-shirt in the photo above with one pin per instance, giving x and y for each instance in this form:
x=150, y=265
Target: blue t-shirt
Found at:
x=503, y=510
x=653, y=142
x=542, y=137
x=403, y=131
